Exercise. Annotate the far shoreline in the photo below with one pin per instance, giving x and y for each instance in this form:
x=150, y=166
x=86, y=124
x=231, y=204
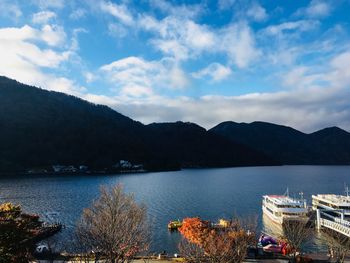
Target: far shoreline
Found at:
x=5, y=175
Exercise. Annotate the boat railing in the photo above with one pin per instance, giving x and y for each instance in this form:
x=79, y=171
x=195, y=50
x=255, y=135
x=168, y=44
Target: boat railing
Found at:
x=325, y=215
x=341, y=228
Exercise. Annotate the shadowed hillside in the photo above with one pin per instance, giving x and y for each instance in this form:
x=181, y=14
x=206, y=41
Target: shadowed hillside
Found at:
x=40, y=128
x=289, y=146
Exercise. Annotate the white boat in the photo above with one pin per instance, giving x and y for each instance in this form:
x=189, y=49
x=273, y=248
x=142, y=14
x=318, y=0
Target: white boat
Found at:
x=282, y=207
x=332, y=202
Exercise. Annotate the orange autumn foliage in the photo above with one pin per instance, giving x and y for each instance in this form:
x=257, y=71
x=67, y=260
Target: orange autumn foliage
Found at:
x=227, y=244
x=194, y=230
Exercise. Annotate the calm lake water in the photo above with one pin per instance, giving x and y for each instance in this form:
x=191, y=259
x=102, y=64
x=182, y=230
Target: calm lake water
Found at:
x=208, y=193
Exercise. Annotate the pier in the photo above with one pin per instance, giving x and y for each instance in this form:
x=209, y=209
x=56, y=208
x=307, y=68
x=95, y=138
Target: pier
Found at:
x=333, y=220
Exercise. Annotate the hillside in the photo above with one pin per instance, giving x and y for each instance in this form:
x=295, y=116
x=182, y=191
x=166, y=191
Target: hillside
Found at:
x=290, y=146
x=40, y=128
x=196, y=147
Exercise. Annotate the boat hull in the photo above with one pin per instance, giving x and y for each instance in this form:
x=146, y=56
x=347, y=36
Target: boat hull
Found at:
x=281, y=219
x=278, y=220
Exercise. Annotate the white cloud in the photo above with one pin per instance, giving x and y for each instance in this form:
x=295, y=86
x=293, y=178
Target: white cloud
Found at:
x=26, y=62
x=317, y=100
x=215, y=71
x=184, y=39
x=178, y=37
x=89, y=77
x=53, y=35
x=13, y=33
x=287, y=27
x=301, y=78
x=134, y=76
x=336, y=75
x=74, y=40
x=120, y=12
x=172, y=48
x=100, y=99
x=238, y=42
x=316, y=9
x=283, y=54
x=178, y=78
x=339, y=76
x=317, y=108
x=134, y=90
x=45, y=4
x=257, y=12
x=286, y=44
x=43, y=17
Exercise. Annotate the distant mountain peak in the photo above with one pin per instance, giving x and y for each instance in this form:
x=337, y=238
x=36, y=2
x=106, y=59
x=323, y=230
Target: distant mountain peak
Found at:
x=334, y=130
x=290, y=146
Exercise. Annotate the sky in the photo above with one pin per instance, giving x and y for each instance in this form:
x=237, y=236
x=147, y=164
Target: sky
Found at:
x=286, y=62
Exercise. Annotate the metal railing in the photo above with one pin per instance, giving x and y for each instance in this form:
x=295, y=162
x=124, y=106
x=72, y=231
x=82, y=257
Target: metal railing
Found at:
x=335, y=223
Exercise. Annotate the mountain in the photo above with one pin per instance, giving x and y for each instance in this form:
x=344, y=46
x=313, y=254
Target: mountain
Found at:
x=40, y=128
x=332, y=143
x=287, y=145
x=196, y=147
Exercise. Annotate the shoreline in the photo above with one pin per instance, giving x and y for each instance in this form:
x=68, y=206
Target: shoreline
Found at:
x=144, y=171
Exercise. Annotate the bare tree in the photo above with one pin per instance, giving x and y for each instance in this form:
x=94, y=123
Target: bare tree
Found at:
x=338, y=245
x=115, y=226
x=227, y=247
x=192, y=252
x=296, y=233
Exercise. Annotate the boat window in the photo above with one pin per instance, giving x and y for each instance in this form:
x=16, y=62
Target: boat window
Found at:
x=289, y=206
x=293, y=214
x=269, y=210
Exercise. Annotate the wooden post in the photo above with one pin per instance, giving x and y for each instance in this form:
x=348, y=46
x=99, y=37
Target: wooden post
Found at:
x=318, y=219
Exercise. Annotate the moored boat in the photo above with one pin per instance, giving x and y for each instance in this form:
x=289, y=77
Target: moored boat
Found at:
x=332, y=202
x=272, y=245
x=174, y=225
x=282, y=207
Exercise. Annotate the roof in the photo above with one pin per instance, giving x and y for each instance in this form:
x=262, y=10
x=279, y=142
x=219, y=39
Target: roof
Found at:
x=284, y=200
x=339, y=200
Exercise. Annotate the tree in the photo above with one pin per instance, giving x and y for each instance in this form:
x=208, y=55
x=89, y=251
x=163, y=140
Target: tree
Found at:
x=296, y=234
x=17, y=233
x=338, y=245
x=115, y=226
x=192, y=252
x=194, y=230
x=204, y=243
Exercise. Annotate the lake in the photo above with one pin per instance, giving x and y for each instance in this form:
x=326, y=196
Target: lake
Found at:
x=208, y=193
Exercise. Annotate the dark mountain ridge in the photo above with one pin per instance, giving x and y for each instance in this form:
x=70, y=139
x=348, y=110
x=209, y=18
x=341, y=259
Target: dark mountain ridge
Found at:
x=198, y=148
x=40, y=128
x=289, y=146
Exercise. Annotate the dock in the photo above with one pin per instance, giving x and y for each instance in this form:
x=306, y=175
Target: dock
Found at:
x=333, y=220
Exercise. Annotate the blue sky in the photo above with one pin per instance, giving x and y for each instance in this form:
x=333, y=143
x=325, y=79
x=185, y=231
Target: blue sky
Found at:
x=286, y=62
